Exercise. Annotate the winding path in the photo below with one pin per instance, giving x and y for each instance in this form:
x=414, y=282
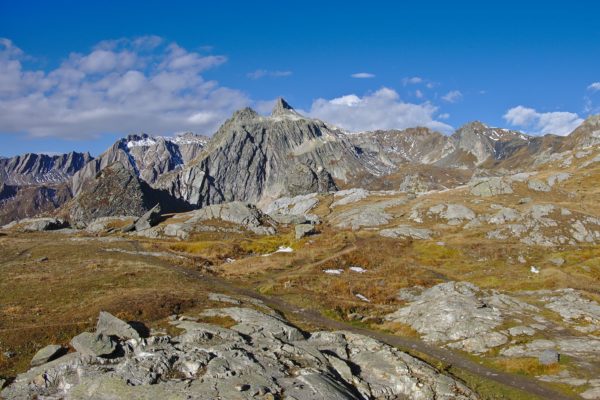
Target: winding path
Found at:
x=313, y=317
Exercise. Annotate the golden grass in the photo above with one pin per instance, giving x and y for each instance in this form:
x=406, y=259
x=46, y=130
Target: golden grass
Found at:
x=50, y=302
x=526, y=366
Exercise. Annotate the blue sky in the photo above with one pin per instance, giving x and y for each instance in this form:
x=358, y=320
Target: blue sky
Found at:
x=77, y=75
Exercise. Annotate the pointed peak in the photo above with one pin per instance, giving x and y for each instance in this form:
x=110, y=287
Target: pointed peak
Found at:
x=281, y=107
x=474, y=125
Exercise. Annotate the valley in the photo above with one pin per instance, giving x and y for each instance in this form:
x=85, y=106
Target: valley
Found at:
x=476, y=255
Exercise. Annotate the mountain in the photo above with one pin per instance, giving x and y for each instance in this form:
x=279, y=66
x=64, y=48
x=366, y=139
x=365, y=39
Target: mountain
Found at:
x=146, y=156
x=115, y=191
x=413, y=145
x=18, y=202
x=33, y=169
x=475, y=143
x=31, y=184
x=255, y=158
x=586, y=135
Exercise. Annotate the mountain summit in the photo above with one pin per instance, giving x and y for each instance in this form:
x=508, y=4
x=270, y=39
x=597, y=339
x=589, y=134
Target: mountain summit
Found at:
x=281, y=107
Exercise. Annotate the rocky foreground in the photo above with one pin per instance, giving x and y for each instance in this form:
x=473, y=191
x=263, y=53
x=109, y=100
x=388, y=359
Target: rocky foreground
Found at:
x=260, y=356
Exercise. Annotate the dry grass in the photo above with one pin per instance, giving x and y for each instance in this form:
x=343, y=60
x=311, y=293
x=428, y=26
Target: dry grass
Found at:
x=527, y=366
x=52, y=301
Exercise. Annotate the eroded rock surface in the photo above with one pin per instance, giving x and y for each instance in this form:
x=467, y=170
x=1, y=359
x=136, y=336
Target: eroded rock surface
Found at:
x=262, y=356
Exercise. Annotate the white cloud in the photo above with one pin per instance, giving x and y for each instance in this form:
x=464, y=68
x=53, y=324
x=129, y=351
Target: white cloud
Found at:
x=261, y=73
x=412, y=80
x=558, y=122
x=594, y=87
x=363, y=75
x=382, y=109
x=453, y=96
x=419, y=94
x=120, y=86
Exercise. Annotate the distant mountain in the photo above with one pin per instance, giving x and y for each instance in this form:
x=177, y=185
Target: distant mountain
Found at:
x=256, y=158
x=31, y=184
x=33, y=169
x=146, y=156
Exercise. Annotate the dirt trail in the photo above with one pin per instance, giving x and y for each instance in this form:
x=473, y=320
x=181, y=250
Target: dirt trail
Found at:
x=313, y=317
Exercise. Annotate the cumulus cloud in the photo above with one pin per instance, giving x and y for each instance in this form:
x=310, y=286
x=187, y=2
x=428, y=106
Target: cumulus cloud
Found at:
x=363, y=75
x=261, y=73
x=120, y=86
x=382, y=109
x=594, y=87
x=557, y=122
x=452, y=96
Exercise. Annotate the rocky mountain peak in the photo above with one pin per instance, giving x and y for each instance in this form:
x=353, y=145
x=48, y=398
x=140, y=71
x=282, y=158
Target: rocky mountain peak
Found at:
x=282, y=107
x=244, y=115
x=587, y=134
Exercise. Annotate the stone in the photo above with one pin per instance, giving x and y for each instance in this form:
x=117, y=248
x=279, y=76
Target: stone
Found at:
x=367, y=215
x=486, y=187
x=521, y=330
x=538, y=186
x=109, y=325
x=246, y=215
x=558, y=178
x=449, y=312
x=558, y=261
x=93, y=344
x=149, y=219
x=591, y=394
x=549, y=357
x=37, y=224
x=454, y=214
x=349, y=196
x=47, y=354
x=405, y=231
x=303, y=230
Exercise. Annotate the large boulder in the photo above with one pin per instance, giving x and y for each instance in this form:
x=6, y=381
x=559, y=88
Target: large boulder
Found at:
x=93, y=344
x=246, y=215
x=405, y=231
x=486, y=187
x=303, y=230
x=37, y=224
x=149, y=219
x=47, y=354
x=109, y=325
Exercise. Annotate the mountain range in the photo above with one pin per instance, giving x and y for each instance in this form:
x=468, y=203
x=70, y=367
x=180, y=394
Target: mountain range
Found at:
x=257, y=159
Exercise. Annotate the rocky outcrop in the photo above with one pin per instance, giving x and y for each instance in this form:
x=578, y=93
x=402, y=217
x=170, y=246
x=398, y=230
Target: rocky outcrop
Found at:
x=261, y=356
x=246, y=215
x=405, y=231
x=37, y=224
x=367, y=215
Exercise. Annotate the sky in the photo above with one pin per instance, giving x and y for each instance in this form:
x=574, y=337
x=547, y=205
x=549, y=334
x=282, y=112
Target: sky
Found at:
x=77, y=75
